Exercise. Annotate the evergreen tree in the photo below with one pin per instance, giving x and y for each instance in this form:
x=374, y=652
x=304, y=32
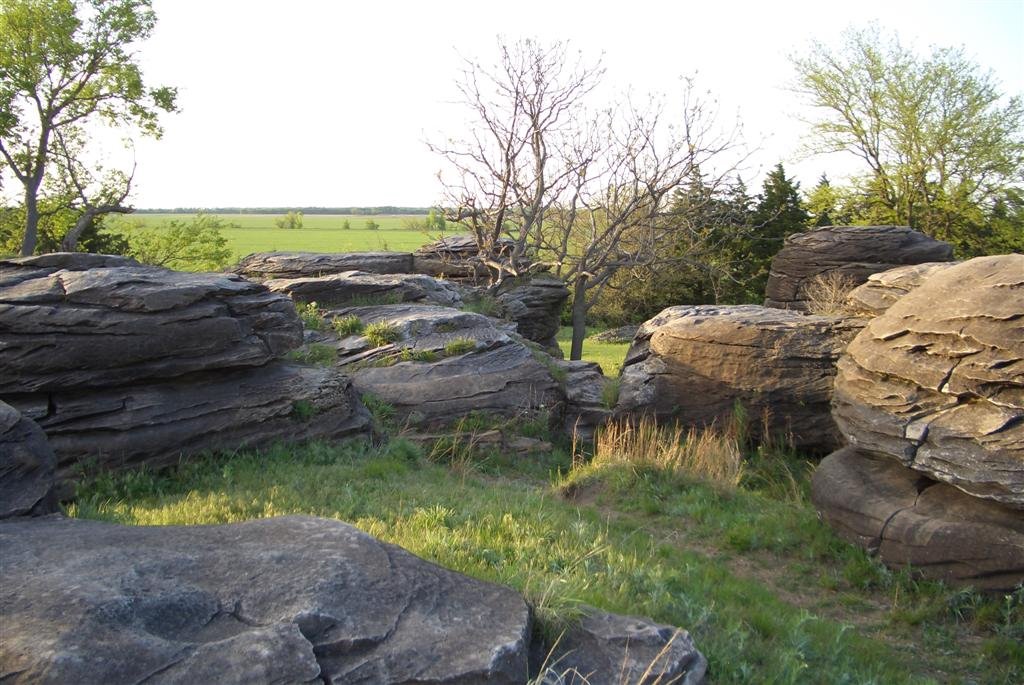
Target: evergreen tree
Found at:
x=778, y=213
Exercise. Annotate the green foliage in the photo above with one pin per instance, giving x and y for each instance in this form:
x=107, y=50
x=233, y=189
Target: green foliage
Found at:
x=454, y=348
x=383, y=413
x=609, y=355
x=435, y=221
x=346, y=225
x=382, y=333
x=63, y=64
x=310, y=315
x=291, y=220
x=409, y=355
x=372, y=225
x=482, y=303
x=303, y=410
x=193, y=245
x=943, y=146
x=347, y=325
x=317, y=354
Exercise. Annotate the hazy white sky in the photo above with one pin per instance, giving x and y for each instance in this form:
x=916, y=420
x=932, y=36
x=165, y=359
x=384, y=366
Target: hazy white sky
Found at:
x=317, y=102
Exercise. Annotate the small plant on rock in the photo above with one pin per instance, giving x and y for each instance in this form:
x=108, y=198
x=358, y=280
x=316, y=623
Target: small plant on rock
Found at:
x=314, y=353
x=459, y=346
x=347, y=325
x=310, y=315
x=826, y=293
x=382, y=333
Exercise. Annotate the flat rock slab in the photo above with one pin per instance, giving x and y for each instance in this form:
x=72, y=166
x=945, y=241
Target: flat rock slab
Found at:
x=905, y=518
x=694, y=364
x=357, y=287
x=535, y=305
x=883, y=289
x=158, y=423
x=67, y=322
x=852, y=252
x=281, y=600
x=268, y=265
x=609, y=649
x=27, y=466
x=937, y=381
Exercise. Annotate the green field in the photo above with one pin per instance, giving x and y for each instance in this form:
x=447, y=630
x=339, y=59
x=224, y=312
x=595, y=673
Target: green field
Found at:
x=319, y=232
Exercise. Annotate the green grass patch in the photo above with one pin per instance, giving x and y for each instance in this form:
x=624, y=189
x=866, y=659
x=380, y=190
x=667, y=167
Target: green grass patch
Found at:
x=317, y=354
x=382, y=333
x=454, y=348
x=345, y=326
x=609, y=355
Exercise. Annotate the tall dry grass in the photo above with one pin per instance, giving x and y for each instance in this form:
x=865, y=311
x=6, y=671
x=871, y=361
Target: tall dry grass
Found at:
x=826, y=294
x=714, y=454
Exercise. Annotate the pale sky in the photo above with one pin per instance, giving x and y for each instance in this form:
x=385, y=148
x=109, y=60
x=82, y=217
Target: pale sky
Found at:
x=314, y=102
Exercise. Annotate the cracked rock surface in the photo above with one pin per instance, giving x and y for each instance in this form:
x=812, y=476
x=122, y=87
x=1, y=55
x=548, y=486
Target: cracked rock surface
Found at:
x=77, y=320
x=267, y=265
x=27, y=467
x=695, y=363
x=937, y=381
x=906, y=518
x=852, y=252
x=883, y=289
x=282, y=600
x=352, y=287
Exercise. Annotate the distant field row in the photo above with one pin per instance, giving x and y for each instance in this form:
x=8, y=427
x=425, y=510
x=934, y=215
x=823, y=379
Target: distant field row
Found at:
x=319, y=232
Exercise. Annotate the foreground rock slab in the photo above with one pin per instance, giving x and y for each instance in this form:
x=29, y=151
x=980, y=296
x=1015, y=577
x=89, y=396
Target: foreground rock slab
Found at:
x=905, y=518
x=27, y=466
x=71, y=321
x=609, y=649
x=694, y=364
x=283, y=600
x=852, y=253
x=937, y=381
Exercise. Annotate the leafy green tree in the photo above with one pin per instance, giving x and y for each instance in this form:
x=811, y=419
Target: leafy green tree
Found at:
x=64, y=63
x=193, y=245
x=940, y=142
x=779, y=213
x=291, y=220
x=372, y=225
x=346, y=225
x=435, y=221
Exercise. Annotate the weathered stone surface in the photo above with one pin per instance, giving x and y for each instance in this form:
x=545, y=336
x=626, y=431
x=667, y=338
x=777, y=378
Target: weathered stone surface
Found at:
x=73, y=321
x=907, y=518
x=608, y=649
x=693, y=364
x=585, y=404
x=881, y=290
x=535, y=305
x=281, y=600
x=27, y=467
x=937, y=381
x=457, y=257
x=359, y=287
x=268, y=265
x=157, y=423
x=855, y=252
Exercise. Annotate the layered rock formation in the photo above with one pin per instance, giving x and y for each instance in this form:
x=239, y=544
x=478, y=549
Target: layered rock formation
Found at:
x=694, y=364
x=292, y=599
x=851, y=253
x=122, y=364
x=358, y=287
x=535, y=305
x=906, y=518
x=883, y=289
x=27, y=466
x=937, y=381
x=270, y=265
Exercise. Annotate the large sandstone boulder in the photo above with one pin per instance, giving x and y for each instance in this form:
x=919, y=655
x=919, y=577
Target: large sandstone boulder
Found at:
x=27, y=467
x=74, y=320
x=268, y=265
x=158, y=423
x=353, y=287
x=694, y=364
x=906, y=518
x=848, y=252
x=937, y=381
x=608, y=649
x=881, y=290
x=535, y=305
x=281, y=600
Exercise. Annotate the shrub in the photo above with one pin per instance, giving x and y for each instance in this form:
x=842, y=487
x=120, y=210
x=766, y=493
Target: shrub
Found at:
x=309, y=314
x=193, y=245
x=826, y=293
x=347, y=325
x=382, y=333
x=372, y=225
x=459, y=346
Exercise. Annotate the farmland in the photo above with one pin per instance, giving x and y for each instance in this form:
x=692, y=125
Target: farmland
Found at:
x=319, y=233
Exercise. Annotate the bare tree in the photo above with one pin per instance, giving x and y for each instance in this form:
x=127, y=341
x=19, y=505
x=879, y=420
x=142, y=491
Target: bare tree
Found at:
x=585, y=193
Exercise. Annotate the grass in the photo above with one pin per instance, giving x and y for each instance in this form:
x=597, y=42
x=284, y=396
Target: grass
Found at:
x=319, y=233
x=318, y=354
x=382, y=333
x=608, y=355
x=345, y=326
x=768, y=592
x=454, y=348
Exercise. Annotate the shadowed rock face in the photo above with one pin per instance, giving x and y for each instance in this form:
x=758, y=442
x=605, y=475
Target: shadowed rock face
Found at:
x=283, y=600
x=268, y=265
x=607, y=649
x=536, y=305
x=67, y=321
x=355, y=286
x=854, y=252
x=695, y=363
x=26, y=467
x=883, y=289
x=937, y=381
x=907, y=518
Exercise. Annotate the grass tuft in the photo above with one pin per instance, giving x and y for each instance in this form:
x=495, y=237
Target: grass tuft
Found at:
x=345, y=326
x=382, y=333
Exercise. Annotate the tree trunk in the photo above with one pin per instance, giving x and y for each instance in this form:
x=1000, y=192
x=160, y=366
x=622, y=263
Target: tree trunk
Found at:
x=579, y=318
x=28, y=244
